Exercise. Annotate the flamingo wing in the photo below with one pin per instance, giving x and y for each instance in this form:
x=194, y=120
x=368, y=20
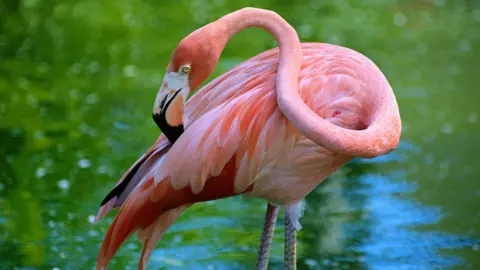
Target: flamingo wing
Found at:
x=133, y=176
x=249, y=130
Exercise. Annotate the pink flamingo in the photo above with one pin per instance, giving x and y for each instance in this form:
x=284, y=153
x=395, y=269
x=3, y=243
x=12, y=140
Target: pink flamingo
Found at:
x=272, y=127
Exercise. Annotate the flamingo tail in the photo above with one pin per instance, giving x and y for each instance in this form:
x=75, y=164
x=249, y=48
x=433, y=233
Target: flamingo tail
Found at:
x=152, y=234
x=140, y=213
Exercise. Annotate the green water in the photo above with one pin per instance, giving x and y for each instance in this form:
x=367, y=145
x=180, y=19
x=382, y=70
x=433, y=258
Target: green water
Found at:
x=77, y=83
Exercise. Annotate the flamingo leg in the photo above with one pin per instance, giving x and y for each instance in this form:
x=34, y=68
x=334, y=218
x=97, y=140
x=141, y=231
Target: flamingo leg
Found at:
x=290, y=244
x=267, y=236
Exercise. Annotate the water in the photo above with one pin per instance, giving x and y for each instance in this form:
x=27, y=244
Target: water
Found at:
x=77, y=82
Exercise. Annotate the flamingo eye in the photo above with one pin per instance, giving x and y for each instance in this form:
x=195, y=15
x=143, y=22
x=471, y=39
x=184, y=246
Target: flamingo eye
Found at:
x=185, y=69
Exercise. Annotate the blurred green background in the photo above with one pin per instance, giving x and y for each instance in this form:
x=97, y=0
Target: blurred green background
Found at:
x=77, y=83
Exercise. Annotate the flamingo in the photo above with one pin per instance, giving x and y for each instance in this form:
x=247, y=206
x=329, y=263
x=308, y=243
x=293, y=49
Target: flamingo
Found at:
x=273, y=127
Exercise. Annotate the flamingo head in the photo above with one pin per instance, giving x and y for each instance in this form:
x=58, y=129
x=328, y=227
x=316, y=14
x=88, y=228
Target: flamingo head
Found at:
x=192, y=61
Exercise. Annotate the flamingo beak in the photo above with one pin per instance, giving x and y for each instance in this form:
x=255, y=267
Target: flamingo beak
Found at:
x=169, y=104
x=174, y=85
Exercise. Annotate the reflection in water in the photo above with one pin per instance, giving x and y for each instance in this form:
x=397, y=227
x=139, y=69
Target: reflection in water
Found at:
x=394, y=240
x=77, y=80
x=381, y=227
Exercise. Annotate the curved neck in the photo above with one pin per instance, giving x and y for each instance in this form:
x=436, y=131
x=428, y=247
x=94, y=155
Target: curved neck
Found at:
x=380, y=137
x=288, y=42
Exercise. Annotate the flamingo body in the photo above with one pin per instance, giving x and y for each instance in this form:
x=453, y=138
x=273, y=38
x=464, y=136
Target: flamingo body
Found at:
x=237, y=141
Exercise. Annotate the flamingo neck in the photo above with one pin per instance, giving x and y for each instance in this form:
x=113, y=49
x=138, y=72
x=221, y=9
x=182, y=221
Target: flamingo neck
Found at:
x=383, y=133
x=218, y=33
x=380, y=137
x=288, y=42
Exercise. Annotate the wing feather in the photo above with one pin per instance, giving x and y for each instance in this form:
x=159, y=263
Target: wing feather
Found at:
x=250, y=126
